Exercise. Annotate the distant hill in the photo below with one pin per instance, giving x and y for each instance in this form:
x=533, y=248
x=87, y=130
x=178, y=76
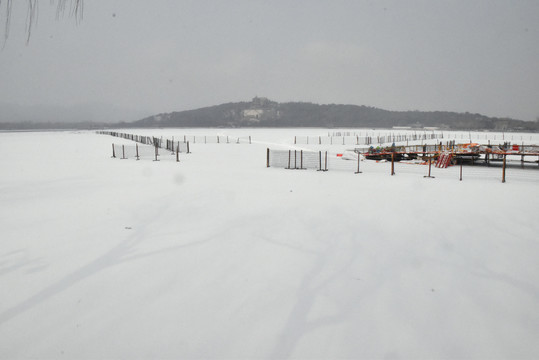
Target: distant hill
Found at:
x=262, y=112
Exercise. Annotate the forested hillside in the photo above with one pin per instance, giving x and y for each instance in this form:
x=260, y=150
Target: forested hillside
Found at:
x=261, y=112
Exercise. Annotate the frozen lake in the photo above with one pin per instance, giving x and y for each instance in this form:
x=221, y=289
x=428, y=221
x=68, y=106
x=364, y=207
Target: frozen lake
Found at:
x=218, y=256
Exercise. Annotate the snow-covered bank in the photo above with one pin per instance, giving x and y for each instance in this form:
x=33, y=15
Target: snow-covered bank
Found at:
x=220, y=257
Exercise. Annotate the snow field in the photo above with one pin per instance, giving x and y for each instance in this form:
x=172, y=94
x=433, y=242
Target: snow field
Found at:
x=220, y=257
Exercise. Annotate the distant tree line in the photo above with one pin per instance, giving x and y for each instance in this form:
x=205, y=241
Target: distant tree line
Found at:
x=268, y=113
x=300, y=114
x=30, y=125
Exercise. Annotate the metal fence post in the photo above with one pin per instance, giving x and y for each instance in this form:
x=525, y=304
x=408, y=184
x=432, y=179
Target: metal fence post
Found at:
x=503, y=171
x=326, y=164
x=358, y=159
x=289, y=154
x=430, y=163
x=156, y=152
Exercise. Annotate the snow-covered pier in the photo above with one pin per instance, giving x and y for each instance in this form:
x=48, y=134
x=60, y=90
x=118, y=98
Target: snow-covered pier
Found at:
x=471, y=152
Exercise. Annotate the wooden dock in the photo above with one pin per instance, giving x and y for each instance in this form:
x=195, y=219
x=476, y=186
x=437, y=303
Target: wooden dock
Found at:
x=455, y=154
x=461, y=153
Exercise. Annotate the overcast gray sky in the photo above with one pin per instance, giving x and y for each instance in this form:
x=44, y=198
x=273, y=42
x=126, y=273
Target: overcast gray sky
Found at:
x=168, y=55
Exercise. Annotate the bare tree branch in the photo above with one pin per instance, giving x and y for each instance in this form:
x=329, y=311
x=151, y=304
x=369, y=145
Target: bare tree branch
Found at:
x=31, y=18
x=75, y=10
x=9, y=4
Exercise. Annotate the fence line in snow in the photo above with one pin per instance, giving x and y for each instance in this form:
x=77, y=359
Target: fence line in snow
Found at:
x=185, y=139
x=314, y=160
x=173, y=146
x=216, y=139
x=470, y=136
x=139, y=152
x=364, y=140
x=147, y=140
x=323, y=161
x=150, y=146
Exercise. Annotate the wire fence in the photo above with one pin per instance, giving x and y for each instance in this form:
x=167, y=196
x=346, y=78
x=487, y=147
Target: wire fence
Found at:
x=313, y=160
x=135, y=151
x=136, y=138
x=364, y=140
x=185, y=139
x=152, y=147
x=351, y=160
x=387, y=137
x=215, y=139
x=173, y=146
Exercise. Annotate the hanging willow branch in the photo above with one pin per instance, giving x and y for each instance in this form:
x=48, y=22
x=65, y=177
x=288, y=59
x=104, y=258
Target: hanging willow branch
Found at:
x=75, y=10
x=8, y=18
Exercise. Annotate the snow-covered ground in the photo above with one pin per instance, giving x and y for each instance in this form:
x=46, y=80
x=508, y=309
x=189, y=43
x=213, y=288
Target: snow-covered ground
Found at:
x=220, y=257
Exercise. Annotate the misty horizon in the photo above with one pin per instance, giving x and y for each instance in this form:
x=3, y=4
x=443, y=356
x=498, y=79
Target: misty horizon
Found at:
x=170, y=56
